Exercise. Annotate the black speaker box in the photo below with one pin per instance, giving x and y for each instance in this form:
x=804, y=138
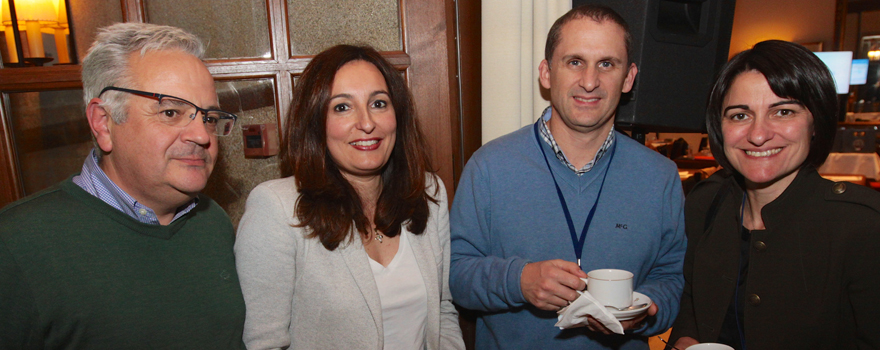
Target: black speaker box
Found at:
x=860, y=138
x=678, y=46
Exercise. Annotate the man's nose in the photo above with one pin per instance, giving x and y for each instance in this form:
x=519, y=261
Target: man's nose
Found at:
x=589, y=78
x=197, y=131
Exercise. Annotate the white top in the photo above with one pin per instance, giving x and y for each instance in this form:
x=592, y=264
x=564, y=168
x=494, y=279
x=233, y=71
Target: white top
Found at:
x=404, y=299
x=299, y=295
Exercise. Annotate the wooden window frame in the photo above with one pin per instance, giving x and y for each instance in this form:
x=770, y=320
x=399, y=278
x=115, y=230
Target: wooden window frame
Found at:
x=427, y=59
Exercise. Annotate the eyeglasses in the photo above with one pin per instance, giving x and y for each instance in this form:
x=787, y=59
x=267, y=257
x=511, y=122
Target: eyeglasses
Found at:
x=175, y=111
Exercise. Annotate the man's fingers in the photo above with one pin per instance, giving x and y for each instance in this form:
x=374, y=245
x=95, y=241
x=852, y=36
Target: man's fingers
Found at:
x=555, y=287
x=572, y=282
x=571, y=268
x=636, y=322
x=549, y=285
x=569, y=274
x=596, y=326
x=633, y=323
x=552, y=303
x=566, y=293
x=652, y=310
x=558, y=303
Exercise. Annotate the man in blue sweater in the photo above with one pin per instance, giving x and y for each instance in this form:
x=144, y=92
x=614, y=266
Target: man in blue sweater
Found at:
x=536, y=208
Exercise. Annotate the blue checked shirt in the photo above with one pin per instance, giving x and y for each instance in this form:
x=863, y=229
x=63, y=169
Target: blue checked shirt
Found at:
x=94, y=181
x=548, y=137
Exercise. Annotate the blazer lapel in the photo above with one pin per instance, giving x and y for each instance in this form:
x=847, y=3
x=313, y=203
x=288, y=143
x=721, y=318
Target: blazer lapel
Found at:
x=358, y=264
x=424, y=254
x=718, y=265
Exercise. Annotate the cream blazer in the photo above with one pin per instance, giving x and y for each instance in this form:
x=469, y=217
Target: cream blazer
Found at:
x=299, y=295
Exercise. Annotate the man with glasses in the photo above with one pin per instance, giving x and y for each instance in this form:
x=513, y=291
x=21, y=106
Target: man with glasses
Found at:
x=127, y=254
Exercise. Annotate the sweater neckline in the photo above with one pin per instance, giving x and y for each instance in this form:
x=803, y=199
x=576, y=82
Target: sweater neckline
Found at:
x=566, y=176
x=101, y=208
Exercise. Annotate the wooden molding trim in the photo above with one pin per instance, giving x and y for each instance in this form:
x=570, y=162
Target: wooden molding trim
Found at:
x=40, y=78
x=9, y=184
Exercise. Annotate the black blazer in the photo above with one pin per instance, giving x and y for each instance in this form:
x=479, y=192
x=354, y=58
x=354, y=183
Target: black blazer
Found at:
x=814, y=273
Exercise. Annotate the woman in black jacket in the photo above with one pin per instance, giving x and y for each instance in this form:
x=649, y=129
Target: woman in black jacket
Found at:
x=778, y=257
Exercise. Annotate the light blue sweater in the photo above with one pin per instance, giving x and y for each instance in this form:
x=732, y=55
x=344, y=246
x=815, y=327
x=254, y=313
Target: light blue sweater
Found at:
x=506, y=213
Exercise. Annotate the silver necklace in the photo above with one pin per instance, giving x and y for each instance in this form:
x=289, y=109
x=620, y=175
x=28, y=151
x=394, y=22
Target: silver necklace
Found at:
x=378, y=234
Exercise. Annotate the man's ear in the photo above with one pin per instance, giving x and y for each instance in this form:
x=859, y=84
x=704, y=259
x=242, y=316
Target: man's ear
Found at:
x=630, y=78
x=99, y=123
x=544, y=74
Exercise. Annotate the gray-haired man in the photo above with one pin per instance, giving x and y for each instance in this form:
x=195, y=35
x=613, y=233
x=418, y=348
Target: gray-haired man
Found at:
x=127, y=254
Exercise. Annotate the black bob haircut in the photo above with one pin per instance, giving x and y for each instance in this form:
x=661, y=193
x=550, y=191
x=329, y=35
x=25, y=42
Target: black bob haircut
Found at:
x=792, y=72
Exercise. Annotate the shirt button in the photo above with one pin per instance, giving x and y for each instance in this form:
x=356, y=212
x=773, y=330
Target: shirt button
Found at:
x=754, y=299
x=142, y=211
x=760, y=246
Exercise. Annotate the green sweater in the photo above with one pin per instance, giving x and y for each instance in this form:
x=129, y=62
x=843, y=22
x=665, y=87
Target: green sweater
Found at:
x=75, y=273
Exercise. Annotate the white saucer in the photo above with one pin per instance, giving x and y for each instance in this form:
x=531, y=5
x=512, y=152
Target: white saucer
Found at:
x=638, y=298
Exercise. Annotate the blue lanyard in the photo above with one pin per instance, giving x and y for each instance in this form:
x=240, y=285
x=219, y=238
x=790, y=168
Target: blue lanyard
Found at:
x=577, y=242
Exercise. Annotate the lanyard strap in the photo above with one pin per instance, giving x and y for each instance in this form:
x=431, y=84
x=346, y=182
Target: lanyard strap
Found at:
x=577, y=242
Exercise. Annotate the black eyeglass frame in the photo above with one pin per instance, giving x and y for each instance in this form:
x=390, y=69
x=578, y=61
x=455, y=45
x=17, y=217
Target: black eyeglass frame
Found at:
x=159, y=97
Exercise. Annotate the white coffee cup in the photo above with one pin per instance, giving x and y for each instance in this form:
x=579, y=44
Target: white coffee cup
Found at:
x=611, y=287
x=709, y=346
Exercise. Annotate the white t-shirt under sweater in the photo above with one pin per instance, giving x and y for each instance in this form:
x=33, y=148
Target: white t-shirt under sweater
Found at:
x=404, y=299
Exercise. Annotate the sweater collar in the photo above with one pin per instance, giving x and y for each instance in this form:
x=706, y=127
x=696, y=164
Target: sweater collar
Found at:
x=101, y=208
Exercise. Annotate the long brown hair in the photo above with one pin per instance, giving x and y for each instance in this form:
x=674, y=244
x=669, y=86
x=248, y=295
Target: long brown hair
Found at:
x=328, y=204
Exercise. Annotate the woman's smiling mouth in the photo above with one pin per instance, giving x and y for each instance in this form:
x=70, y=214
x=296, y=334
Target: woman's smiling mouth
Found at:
x=766, y=153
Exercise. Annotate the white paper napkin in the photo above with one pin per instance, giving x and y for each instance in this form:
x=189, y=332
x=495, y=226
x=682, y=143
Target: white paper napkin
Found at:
x=575, y=314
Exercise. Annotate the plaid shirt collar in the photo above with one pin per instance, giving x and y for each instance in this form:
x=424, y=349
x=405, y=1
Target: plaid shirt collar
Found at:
x=548, y=137
x=93, y=180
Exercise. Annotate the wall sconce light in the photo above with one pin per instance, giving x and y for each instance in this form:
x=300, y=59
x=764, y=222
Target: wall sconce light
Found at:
x=874, y=55
x=62, y=29
x=32, y=16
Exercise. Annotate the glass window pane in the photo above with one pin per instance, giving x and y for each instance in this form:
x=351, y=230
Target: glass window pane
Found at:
x=234, y=176
x=87, y=16
x=229, y=29
x=51, y=136
x=318, y=24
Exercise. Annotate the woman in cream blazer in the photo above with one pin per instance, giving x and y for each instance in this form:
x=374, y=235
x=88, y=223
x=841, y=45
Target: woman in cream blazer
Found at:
x=313, y=298
x=329, y=257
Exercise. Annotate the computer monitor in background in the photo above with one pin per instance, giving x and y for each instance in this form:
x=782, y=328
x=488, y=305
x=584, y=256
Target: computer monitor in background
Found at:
x=840, y=65
x=859, y=72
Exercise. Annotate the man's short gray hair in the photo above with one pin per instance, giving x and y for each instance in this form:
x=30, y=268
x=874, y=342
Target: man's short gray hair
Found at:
x=107, y=63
